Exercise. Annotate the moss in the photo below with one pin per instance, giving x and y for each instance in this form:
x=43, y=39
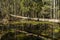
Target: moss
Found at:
x=31, y=22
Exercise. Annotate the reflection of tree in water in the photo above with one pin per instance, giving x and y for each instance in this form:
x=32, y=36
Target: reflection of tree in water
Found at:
x=32, y=38
x=8, y=36
x=12, y=36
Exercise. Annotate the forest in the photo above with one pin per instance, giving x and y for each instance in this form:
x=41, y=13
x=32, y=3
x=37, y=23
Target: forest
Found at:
x=22, y=19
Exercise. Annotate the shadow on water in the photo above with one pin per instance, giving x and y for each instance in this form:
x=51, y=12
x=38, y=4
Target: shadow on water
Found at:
x=12, y=36
x=26, y=27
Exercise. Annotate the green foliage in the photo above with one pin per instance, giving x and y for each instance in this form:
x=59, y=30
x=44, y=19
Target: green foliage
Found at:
x=22, y=7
